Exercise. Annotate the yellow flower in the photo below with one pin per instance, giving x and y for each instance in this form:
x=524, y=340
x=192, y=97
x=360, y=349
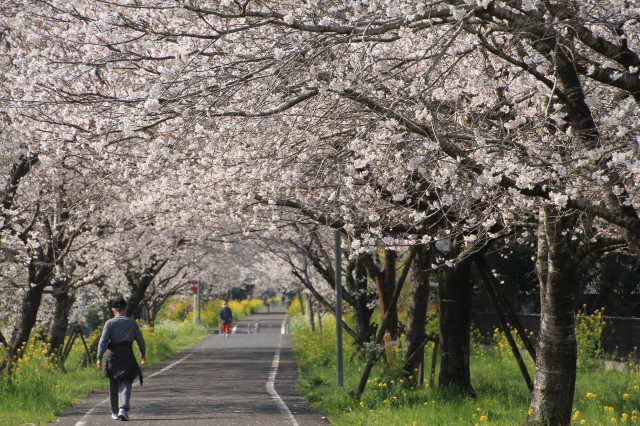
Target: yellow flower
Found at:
x=530, y=412
x=576, y=415
x=361, y=403
x=609, y=409
x=483, y=418
x=583, y=421
x=591, y=395
x=426, y=403
x=625, y=396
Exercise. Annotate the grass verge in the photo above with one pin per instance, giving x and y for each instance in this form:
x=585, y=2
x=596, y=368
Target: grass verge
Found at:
x=502, y=398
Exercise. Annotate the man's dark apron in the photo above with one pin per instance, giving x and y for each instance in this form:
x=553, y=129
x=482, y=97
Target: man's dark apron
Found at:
x=120, y=362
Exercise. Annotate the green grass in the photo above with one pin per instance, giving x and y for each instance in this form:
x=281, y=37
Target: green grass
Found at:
x=37, y=390
x=502, y=398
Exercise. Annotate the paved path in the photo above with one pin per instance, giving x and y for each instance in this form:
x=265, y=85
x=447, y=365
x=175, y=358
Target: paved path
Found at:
x=245, y=379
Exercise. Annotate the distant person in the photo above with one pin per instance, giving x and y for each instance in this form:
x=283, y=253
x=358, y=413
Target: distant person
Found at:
x=121, y=366
x=225, y=316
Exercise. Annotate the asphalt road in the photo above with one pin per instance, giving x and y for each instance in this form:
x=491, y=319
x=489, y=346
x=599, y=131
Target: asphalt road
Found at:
x=247, y=378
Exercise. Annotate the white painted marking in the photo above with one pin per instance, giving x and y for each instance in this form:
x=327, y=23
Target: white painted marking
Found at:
x=234, y=329
x=271, y=387
x=83, y=420
x=170, y=366
x=283, y=328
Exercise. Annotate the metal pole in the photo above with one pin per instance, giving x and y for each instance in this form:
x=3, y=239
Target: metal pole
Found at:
x=195, y=307
x=338, y=286
x=199, y=300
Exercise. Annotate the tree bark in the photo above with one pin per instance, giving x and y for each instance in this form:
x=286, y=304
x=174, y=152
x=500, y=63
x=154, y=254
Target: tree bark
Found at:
x=556, y=353
x=385, y=284
x=357, y=281
x=455, y=321
x=417, y=315
x=63, y=302
x=40, y=278
x=139, y=283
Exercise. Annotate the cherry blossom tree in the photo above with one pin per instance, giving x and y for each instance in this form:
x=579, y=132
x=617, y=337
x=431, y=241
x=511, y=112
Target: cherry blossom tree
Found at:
x=438, y=121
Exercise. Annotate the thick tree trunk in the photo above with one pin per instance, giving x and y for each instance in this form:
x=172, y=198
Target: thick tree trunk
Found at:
x=40, y=277
x=139, y=283
x=417, y=315
x=27, y=315
x=357, y=282
x=63, y=302
x=555, y=376
x=455, y=321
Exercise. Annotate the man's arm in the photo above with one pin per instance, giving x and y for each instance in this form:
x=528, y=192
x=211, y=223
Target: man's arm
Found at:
x=141, y=344
x=102, y=344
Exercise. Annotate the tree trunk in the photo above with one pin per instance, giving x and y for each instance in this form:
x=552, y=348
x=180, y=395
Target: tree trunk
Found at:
x=556, y=353
x=385, y=284
x=40, y=277
x=358, y=287
x=455, y=321
x=139, y=283
x=63, y=302
x=390, y=260
x=417, y=315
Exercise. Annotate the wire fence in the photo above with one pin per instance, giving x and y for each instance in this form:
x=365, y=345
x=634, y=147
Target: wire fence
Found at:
x=620, y=337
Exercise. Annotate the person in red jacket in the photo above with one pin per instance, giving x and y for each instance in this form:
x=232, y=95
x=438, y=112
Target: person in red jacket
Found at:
x=225, y=316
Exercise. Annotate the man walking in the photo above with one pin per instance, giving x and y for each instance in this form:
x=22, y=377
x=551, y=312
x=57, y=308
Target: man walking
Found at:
x=121, y=366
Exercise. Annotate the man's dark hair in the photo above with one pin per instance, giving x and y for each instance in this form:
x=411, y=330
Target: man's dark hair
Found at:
x=119, y=303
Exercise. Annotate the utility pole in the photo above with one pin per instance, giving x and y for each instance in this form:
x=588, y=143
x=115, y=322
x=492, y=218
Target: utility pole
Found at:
x=338, y=285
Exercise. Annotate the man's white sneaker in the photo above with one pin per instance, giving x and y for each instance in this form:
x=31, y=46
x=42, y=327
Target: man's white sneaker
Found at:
x=124, y=416
x=115, y=416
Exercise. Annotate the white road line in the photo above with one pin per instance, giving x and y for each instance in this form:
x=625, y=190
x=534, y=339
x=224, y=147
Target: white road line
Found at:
x=283, y=328
x=271, y=386
x=83, y=420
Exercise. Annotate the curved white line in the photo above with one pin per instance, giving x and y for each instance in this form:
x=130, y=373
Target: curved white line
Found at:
x=83, y=420
x=271, y=386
